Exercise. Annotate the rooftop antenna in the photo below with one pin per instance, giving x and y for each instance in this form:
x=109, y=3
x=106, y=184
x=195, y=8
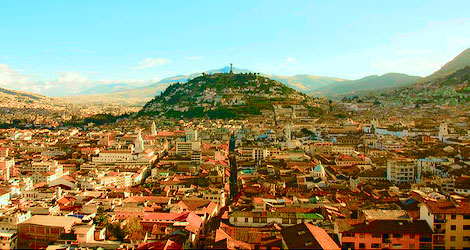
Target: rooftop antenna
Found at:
x=231, y=71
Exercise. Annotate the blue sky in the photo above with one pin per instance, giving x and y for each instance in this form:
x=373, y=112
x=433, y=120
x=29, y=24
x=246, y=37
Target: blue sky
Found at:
x=58, y=47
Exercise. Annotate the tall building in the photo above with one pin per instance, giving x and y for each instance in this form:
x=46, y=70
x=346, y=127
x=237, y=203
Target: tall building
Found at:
x=233, y=167
x=401, y=171
x=191, y=135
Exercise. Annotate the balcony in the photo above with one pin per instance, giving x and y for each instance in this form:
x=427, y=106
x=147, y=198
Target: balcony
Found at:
x=438, y=220
x=440, y=231
x=438, y=243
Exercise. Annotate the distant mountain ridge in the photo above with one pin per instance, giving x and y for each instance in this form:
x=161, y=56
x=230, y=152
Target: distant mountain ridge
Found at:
x=20, y=99
x=452, y=89
x=460, y=61
x=373, y=82
x=106, y=88
x=141, y=95
x=313, y=85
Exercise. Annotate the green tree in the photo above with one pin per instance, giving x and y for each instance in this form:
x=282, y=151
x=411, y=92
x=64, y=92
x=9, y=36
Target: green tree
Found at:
x=134, y=229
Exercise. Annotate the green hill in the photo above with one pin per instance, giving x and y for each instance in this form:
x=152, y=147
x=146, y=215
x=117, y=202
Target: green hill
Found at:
x=141, y=95
x=224, y=95
x=453, y=89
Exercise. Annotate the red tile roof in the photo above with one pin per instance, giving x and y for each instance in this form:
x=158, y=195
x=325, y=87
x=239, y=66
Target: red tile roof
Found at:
x=447, y=207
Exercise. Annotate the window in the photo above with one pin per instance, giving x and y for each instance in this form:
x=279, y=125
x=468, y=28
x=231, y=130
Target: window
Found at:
x=412, y=246
x=466, y=238
x=235, y=219
x=453, y=227
x=375, y=245
x=412, y=236
x=362, y=235
x=348, y=234
x=264, y=219
x=466, y=227
x=376, y=235
x=246, y=219
x=466, y=216
x=453, y=216
x=285, y=220
x=452, y=238
x=397, y=235
x=362, y=245
x=255, y=219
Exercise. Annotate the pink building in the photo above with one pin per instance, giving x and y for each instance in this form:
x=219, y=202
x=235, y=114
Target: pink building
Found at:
x=388, y=234
x=6, y=167
x=4, y=152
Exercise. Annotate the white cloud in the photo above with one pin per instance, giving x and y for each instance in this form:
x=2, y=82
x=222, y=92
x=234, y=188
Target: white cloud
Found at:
x=193, y=57
x=66, y=83
x=153, y=62
x=11, y=77
x=290, y=60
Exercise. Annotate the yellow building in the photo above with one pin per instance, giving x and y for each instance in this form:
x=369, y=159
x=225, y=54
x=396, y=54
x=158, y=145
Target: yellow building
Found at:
x=450, y=222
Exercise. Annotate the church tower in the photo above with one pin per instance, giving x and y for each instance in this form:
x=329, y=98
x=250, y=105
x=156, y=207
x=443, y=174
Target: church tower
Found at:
x=139, y=143
x=153, y=131
x=443, y=130
x=288, y=132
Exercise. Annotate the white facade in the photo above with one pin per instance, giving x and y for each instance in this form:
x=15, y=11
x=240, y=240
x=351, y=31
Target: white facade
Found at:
x=401, y=171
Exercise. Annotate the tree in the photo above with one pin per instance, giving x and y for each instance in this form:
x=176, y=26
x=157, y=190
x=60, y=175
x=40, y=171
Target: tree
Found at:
x=116, y=231
x=134, y=229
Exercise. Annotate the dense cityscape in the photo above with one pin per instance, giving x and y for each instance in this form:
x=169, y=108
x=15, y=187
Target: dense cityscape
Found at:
x=153, y=125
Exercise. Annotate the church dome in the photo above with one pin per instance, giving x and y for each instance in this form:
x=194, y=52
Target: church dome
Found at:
x=319, y=169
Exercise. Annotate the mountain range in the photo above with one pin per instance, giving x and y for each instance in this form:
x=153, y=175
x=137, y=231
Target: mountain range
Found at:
x=13, y=100
x=373, y=82
x=106, y=88
x=122, y=93
x=141, y=95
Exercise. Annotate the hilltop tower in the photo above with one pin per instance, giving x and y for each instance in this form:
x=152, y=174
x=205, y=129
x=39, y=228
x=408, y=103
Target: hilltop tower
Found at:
x=443, y=130
x=231, y=68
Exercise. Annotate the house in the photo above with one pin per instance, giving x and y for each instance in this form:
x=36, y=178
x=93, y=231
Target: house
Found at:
x=5, y=196
x=307, y=236
x=380, y=234
x=41, y=230
x=8, y=239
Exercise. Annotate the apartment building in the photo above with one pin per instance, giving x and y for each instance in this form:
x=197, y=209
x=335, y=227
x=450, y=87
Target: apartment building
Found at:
x=401, y=171
x=450, y=222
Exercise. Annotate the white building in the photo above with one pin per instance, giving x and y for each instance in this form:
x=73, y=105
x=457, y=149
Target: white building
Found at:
x=402, y=171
